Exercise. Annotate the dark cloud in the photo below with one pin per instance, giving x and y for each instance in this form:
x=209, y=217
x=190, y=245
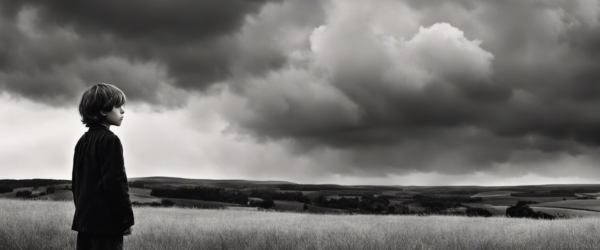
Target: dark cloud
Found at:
x=47, y=48
x=453, y=87
x=160, y=21
x=397, y=97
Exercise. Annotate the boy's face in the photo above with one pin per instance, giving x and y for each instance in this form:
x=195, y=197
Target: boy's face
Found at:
x=115, y=116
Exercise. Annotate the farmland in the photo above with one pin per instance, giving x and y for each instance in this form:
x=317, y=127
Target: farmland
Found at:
x=555, y=200
x=315, y=216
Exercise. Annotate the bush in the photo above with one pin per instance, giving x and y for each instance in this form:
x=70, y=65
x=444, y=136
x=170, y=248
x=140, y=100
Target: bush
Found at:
x=168, y=203
x=24, y=193
x=286, y=196
x=476, y=211
x=5, y=189
x=521, y=210
x=267, y=204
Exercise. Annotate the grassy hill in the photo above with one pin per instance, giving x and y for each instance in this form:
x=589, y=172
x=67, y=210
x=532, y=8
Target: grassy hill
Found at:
x=46, y=225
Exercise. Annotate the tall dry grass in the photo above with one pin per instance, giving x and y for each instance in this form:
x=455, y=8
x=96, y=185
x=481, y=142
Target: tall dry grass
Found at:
x=46, y=225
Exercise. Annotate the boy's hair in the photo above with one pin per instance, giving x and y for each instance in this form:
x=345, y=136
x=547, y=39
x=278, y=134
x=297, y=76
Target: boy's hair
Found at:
x=100, y=97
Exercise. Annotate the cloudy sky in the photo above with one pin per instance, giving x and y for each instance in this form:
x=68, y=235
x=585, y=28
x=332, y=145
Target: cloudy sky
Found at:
x=350, y=92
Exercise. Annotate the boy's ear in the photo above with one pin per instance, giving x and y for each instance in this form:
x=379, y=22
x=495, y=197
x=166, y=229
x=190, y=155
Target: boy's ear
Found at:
x=103, y=113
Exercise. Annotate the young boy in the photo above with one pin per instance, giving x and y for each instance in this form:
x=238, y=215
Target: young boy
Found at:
x=103, y=213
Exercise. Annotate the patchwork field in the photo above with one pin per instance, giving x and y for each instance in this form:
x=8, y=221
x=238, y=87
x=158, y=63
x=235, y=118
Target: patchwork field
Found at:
x=592, y=204
x=510, y=201
x=566, y=212
x=501, y=210
x=495, y=201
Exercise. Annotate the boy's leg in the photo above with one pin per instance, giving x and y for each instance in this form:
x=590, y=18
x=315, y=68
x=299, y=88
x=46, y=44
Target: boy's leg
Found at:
x=84, y=241
x=107, y=242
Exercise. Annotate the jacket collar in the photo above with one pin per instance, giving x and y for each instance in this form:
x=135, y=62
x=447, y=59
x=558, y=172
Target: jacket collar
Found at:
x=98, y=126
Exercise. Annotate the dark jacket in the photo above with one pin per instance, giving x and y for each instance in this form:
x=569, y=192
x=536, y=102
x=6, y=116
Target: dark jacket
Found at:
x=100, y=189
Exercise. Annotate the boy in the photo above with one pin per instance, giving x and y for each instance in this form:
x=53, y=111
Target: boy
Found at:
x=103, y=213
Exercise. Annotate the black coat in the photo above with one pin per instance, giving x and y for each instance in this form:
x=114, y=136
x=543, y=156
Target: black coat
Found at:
x=100, y=189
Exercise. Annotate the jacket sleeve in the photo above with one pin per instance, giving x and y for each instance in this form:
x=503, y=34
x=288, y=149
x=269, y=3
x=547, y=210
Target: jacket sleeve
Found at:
x=114, y=180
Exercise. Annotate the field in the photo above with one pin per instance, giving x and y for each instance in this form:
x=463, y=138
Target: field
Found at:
x=591, y=205
x=493, y=194
x=499, y=210
x=510, y=201
x=46, y=225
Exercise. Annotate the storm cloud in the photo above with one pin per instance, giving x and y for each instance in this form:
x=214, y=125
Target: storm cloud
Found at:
x=359, y=88
x=451, y=88
x=51, y=50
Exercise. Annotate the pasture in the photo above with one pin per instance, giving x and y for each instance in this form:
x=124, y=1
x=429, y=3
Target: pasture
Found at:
x=26, y=224
x=591, y=204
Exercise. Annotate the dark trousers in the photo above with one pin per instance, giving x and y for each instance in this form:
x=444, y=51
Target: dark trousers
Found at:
x=90, y=241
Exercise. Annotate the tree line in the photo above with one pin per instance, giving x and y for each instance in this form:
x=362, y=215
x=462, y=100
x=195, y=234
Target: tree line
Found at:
x=202, y=193
x=367, y=203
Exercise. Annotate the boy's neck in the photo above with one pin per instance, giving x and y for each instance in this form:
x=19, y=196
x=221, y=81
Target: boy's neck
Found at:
x=105, y=125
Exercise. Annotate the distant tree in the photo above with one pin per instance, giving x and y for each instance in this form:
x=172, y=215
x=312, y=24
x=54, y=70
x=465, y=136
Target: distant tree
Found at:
x=202, y=193
x=136, y=184
x=305, y=207
x=321, y=199
x=23, y=193
x=392, y=209
x=267, y=204
x=50, y=190
x=402, y=209
x=365, y=205
x=168, y=203
x=5, y=189
x=379, y=208
x=477, y=211
x=521, y=210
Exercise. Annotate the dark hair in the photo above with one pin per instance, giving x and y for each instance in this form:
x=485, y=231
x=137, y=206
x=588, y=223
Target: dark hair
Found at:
x=100, y=97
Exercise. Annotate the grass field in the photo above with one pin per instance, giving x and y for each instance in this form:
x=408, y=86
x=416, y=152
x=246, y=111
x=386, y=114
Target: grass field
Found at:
x=46, y=225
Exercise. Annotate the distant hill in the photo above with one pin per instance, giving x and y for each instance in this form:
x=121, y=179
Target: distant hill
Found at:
x=175, y=181
x=31, y=182
x=202, y=181
x=156, y=181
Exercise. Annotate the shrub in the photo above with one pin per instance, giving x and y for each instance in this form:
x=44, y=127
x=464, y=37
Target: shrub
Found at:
x=521, y=210
x=24, y=193
x=168, y=203
x=5, y=189
x=267, y=204
x=477, y=211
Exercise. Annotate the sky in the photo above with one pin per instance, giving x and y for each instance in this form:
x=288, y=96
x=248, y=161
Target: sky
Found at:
x=380, y=92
